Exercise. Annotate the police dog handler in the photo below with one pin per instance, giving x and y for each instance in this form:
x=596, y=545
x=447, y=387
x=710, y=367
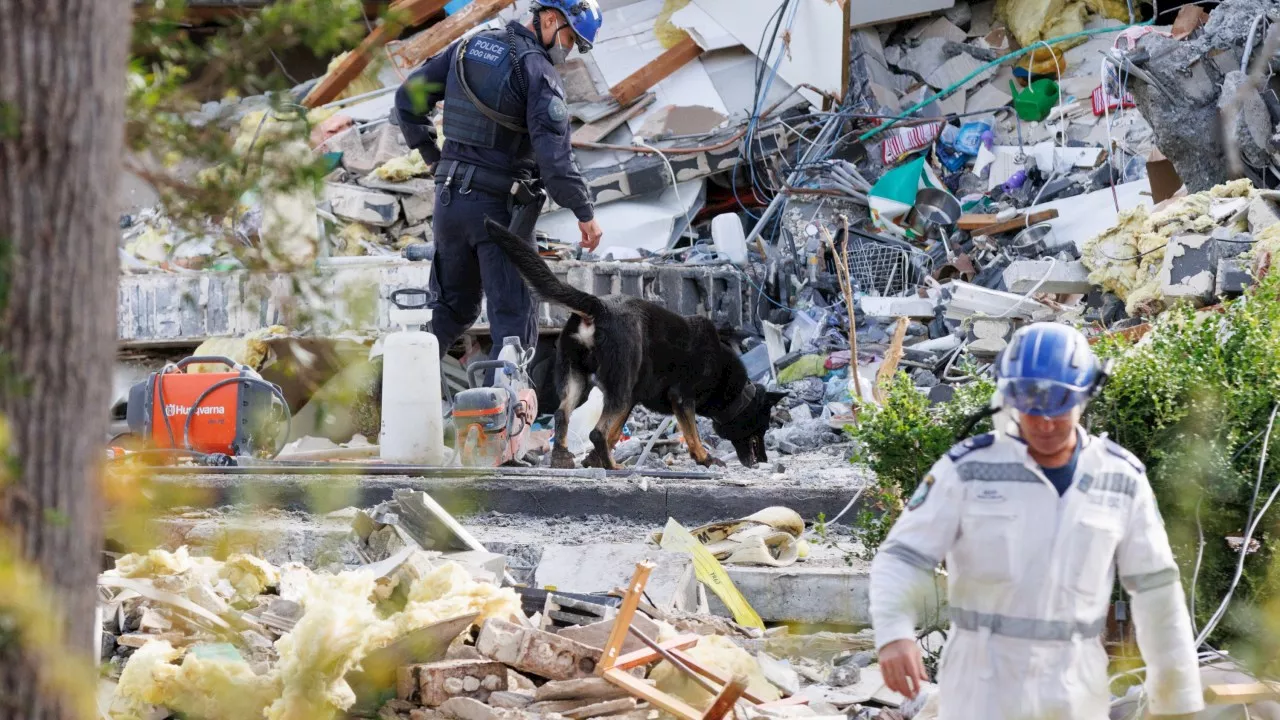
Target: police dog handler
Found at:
x=506, y=138
x=1034, y=525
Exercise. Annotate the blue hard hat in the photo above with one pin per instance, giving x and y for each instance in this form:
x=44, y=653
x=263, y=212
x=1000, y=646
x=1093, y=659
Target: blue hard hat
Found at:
x=1047, y=370
x=583, y=15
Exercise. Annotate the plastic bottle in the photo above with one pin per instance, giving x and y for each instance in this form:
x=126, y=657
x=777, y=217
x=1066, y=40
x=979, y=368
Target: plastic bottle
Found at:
x=583, y=420
x=730, y=240
x=412, y=413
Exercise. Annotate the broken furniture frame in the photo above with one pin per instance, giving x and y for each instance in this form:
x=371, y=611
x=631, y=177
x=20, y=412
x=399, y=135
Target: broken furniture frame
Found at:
x=613, y=665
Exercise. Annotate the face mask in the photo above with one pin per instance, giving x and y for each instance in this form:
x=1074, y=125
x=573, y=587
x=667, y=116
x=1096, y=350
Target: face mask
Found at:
x=558, y=54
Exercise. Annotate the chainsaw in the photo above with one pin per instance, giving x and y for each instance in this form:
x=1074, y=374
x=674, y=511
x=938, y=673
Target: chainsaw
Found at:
x=224, y=413
x=492, y=424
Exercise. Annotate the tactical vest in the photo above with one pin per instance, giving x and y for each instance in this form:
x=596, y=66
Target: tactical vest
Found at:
x=484, y=73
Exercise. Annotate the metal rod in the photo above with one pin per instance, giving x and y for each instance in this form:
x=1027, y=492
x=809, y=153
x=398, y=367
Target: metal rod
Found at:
x=774, y=204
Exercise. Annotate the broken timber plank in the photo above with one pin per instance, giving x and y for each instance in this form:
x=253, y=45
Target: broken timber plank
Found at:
x=639, y=82
x=642, y=690
x=417, y=49
x=988, y=225
x=596, y=131
x=1241, y=693
x=646, y=656
x=400, y=16
x=884, y=376
x=622, y=621
x=724, y=702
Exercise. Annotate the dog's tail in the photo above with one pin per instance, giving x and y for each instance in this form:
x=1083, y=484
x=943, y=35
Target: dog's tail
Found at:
x=535, y=272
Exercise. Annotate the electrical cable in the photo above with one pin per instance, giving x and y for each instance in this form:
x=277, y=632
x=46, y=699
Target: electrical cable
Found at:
x=686, y=213
x=1251, y=525
x=840, y=514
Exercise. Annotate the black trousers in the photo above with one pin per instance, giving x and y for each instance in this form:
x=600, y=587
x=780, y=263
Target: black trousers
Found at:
x=468, y=264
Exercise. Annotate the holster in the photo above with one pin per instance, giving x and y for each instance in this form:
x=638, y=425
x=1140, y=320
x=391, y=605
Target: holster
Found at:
x=527, y=199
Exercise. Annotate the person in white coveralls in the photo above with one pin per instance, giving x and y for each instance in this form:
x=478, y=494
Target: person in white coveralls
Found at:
x=1034, y=524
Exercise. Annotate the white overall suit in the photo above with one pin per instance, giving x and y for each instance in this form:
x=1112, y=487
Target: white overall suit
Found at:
x=1030, y=576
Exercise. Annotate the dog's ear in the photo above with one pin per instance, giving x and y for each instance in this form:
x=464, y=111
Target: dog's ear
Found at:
x=773, y=397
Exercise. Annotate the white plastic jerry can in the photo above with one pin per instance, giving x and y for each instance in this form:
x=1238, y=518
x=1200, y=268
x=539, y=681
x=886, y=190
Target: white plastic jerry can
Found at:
x=412, y=410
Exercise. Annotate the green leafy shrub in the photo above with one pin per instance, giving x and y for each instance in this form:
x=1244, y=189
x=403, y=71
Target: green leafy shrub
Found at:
x=901, y=440
x=1190, y=400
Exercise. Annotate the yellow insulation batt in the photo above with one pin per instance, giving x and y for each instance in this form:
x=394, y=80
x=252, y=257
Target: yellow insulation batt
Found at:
x=403, y=168
x=339, y=627
x=718, y=652
x=1126, y=259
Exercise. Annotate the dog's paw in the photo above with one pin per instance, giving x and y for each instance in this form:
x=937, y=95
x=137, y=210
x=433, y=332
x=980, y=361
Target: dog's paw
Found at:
x=711, y=461
x=561, y=459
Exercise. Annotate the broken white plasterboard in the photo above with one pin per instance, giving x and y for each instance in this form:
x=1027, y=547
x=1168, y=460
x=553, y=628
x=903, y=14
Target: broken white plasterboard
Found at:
x=637, y=223
x=937, y=27
x=987, y=97
x=957, y=69
x=1083, y=217
x=816, y=38
x=1047, y=155
x=874, y=13
x=709, y=34
x=732, y=72
x=627, y=43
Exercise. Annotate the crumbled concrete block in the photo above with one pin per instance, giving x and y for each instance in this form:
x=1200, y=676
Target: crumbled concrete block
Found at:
x=536, y=652
x=359, y=205
x=1262, y=214
x=464, y=708
x=432, y=684
x=593, y=688
x=356, y=158
x=597, y=634
x=1190, y=269
x=1059, y=277
x=601, y=567
x=482, y=565
x=989, y=336
x=510, y=699
x=387, y=143
x=559, y=707
x=602, y=709
x=897, y=306
x=963, y=300
x=1233, y=277
x=417, y=208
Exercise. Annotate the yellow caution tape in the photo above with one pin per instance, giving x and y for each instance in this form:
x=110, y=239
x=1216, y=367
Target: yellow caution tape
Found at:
x=710, y=573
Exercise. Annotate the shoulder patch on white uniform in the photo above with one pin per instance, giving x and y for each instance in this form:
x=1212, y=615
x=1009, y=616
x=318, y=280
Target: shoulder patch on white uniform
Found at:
x=974, y=443
x=921, y=493
x=1115, y=449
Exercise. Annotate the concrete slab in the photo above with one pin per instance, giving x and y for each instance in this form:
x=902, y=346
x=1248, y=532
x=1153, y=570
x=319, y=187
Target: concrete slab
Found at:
x=651, y=500
x=1052, y=276
x=601, y=567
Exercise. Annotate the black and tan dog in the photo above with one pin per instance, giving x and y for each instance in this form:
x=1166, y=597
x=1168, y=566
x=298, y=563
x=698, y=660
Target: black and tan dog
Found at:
x=641, y=353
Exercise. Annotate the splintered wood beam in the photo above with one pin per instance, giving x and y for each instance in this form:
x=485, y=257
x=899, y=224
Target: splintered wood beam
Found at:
x=892, y=356
x=639, y=82
x=724, y=702
x=638, y=688
x=1241, y=693
x=401, y=15
x=419, y=48
x=644, y=656
x=627, y=611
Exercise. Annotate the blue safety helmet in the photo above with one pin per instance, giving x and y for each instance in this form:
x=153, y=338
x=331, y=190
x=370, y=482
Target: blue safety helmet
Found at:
x=1047, y=370
x=583, y=15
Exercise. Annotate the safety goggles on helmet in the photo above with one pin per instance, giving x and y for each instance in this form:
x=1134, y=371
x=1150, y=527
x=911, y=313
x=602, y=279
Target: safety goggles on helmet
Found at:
x=1044, y=398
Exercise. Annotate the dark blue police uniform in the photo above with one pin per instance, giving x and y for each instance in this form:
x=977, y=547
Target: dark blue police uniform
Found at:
x=522, y=132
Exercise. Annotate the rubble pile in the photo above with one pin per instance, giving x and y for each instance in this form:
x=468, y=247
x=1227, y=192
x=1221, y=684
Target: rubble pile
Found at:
x=430, y=634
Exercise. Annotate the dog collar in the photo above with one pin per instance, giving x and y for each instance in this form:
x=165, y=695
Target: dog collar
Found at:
x=743, y=400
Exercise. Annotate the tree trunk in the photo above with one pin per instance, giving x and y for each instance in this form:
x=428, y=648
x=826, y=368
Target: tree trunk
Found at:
x=62, y=66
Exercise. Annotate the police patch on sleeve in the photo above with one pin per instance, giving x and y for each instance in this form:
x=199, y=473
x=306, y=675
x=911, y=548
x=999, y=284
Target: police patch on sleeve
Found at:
x=922, y=492
x=557, y=110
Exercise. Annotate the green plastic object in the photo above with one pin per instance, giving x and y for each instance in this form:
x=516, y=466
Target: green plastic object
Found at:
x=1034, y=103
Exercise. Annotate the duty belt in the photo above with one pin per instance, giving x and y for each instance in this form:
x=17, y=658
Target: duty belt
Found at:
x=468, y=177
x=1024, y=628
